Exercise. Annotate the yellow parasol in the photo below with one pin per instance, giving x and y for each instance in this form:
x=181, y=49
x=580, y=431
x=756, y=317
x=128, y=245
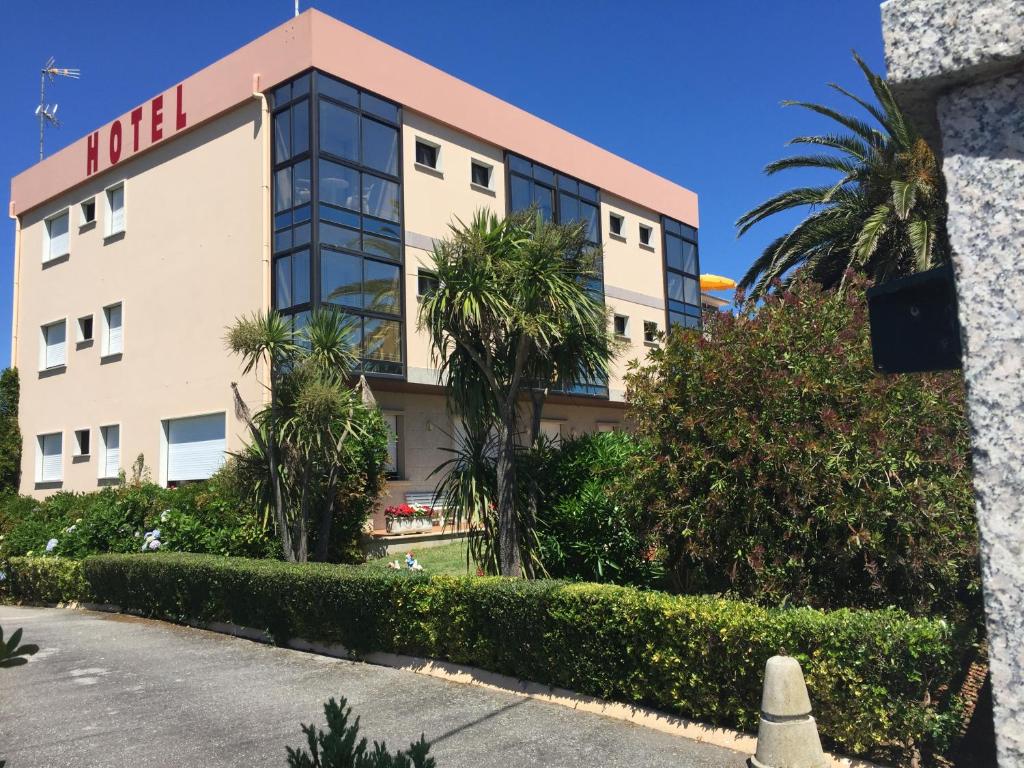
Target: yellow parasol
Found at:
x=716, y=283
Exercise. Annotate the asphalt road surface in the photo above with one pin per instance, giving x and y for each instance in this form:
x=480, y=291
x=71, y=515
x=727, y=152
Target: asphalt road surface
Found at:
x=110, y=690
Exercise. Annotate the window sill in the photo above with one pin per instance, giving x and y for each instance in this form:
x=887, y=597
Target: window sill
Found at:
x=106, y=481
x=428, y=170
x=650, y=343
x=113, y=237
x=48, y=485
x=483, y=189
x=83, y=344
x=647, y=247
x=111, y=358
x=82, y=458
x=56, y=370
x=622, y=337
x=55, y=260
x=614, y=236
x=87, y=226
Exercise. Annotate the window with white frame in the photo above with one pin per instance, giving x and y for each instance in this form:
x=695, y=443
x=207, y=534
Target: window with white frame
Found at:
x=426, y=282
x=110, y=451
x=113, y=332
x=615, y=224
x=87, y=211
x=193, y=448
x=428, y=154
x=394, y=425
x=57, y=242
x=650, y=332
x=85, y=328
x=115, y=209
x=52, y=350
x=645, y=234
x=480, y=174
x=49, y=464
x=621, y=325
x=82, y=440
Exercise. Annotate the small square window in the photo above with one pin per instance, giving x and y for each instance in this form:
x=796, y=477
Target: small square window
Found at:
x=427, y=154
x=85, y=328
x=480, y=174
x=650, y=332
x=81, y=442
x=621, y=325
x=615, y=222
x=645, y=234
x=88, y=211
x=426, y=282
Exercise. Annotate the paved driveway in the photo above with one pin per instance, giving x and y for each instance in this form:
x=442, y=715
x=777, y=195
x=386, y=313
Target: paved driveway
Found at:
x=108, y=690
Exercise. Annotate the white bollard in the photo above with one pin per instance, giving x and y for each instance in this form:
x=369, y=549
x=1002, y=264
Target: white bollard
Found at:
x=788, y=735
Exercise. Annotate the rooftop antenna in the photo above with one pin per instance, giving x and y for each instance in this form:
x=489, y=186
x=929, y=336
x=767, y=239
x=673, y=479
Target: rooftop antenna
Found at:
x=44, y=111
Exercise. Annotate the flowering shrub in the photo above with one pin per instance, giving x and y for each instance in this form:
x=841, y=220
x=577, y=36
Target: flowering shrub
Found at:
x=409, y=510
x=787, y=470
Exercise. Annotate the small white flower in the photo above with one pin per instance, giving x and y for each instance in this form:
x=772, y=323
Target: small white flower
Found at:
x=164, y=515
x=70, y=529
x=154, y=544
x=137, y=534
x=50, y=545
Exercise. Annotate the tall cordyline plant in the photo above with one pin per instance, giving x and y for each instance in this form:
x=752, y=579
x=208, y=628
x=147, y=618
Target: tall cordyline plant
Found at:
x=787, y=470
x=302, y=437
x=511, y=315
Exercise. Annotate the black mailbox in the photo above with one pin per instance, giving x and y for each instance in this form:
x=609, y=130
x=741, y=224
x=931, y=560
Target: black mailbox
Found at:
x=914, y=325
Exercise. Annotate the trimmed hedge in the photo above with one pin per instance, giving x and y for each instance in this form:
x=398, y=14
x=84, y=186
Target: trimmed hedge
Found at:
x=869, y=672
x=48, y=580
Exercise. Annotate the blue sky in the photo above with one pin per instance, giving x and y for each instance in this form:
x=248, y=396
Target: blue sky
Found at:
x=689, y=90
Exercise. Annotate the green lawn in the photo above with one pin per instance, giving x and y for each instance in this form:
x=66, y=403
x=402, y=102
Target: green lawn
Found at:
x=447, y=558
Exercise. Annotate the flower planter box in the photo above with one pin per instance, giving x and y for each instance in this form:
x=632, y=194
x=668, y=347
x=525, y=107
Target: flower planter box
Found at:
x=409, y=524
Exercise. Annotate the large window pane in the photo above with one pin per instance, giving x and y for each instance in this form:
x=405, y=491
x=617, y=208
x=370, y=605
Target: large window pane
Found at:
x=380, y=198
x=544, y=198
x=382, y=340
x=381, y=287
x=341, y=278
x=689, y=258
x=568, y=209
x=282, y=137
x=385, y=228
x=522, y=196
x=283, y=283
x=675, y=286
x=301, y=186
x=342, y=237
x=339, y=185
x=300, y=277
x=380, y=146
x=674, y=252
x=339, y=131
x=691, y=294
x=378, y=246
x=282, y=190
x=590, y=214
x=300, y=127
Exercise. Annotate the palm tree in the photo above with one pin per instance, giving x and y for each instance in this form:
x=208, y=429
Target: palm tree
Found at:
x=886, y=214
x=512, y=313
x=301, y=438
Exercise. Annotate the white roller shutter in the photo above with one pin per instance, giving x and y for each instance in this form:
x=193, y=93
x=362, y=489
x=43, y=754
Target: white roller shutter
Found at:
x=195, y=447
x=50, y=450
x=111, y=451
x=55, y=336
x=113, y=320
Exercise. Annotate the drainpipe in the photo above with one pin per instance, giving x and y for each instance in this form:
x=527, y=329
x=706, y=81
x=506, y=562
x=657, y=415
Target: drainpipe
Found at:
x=17, y=285
x=264, y=217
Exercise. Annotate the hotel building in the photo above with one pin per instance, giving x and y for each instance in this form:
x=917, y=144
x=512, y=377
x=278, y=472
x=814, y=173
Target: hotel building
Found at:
x=314, y=166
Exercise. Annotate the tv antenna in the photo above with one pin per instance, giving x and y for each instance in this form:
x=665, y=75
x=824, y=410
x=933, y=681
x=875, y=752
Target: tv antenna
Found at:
x=44, y=112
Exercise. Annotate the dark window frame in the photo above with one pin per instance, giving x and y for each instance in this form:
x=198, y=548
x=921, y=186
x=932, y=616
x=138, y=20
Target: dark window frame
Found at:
x=365, y=105
x=689, y=312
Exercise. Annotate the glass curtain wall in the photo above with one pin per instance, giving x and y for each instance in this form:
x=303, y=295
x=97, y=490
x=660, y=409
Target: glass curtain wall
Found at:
x=682, y=274
x=338, y=212
x=563, y=200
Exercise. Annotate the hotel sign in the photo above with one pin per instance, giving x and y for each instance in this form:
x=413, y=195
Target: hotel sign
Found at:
x=124, y=138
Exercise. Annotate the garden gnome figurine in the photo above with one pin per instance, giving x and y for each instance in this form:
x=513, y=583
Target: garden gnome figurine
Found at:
x=788, y=735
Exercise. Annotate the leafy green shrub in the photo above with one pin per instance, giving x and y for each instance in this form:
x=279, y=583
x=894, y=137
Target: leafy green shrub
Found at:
x=201, y=517
x=10, y=434
x=787, y=470
x=590, y=526
x=876, y=677
x=338, y=748
x=47, y=580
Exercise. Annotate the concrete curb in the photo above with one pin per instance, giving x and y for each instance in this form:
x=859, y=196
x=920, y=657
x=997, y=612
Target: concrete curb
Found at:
x=481, y=678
